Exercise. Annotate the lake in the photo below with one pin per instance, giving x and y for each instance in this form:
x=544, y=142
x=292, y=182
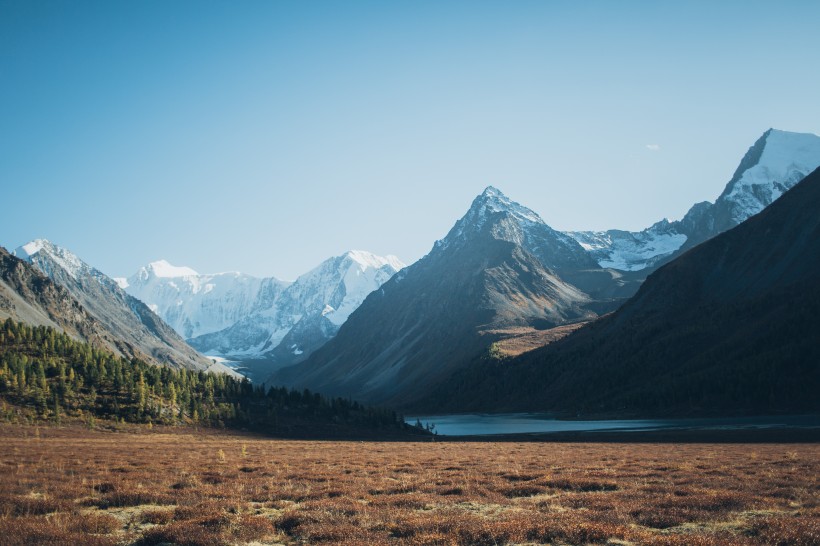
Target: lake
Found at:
x=523, y=423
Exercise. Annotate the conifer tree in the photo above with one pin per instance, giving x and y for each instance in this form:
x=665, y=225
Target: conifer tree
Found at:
x=141, y=394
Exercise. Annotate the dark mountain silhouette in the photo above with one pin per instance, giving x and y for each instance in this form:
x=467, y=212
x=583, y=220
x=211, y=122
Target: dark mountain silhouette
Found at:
x=733, y=325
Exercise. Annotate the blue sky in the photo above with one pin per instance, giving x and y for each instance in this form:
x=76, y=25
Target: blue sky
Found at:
x=267, y=136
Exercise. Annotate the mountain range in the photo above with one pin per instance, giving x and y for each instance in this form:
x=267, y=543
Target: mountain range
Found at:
x=194, y=304
x=422, y=324
x=502, y=272
x=731, y=326
x=367, y=327
x=48, y=285
x=265, y=323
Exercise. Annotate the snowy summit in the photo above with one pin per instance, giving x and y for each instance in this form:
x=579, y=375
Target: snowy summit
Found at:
x=62, y=257
x=772, y=166
x=163, y=269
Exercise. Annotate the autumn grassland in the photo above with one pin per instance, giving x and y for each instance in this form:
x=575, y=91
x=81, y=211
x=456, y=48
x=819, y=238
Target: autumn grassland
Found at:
x=150, y=486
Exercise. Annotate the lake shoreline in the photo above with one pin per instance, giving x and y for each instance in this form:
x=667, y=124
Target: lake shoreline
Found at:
x=544, y=427
x=787, y=435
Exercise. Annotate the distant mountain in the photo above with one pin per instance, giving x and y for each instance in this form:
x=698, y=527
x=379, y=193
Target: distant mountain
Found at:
x=290, y=321
x=775, y=163
x=194, y=304
x=127, y=323
x=731, y=326
x=498, y=267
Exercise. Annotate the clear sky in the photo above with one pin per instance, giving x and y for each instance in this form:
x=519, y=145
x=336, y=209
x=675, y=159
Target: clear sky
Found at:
x=267, y=136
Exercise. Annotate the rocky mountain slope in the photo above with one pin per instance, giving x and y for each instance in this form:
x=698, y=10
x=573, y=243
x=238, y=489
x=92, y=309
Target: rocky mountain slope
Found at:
x=136, y=329
x=27, y=295
x=498, y=267
x=731, y=326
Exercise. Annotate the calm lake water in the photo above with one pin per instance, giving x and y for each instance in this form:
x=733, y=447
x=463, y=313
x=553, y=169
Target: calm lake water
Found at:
x=521, y=423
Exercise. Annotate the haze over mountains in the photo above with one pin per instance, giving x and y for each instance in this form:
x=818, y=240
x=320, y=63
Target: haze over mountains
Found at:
x=367, y=327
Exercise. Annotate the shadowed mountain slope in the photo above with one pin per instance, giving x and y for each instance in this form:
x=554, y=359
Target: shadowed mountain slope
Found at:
x=732, y=326
x=433, y=316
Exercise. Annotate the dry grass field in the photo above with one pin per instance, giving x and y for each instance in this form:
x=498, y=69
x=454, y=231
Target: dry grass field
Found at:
x=62, y=486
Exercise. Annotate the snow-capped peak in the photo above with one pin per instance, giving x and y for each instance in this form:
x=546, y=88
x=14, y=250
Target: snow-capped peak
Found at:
x=493, y=200
x=368, y=259
x=31, y=248
x=246, y=315
x=194, y=304
x=493, y=214
x=62, y=257
x=492, y=191
x=163, y=269
x=490, y=203
x=301, y=315
x=775, y=163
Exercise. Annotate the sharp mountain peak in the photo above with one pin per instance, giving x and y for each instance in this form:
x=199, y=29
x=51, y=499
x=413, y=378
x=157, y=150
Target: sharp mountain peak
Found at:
x=491, y=203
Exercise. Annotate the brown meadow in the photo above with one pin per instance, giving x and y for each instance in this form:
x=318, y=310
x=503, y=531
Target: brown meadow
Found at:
x=178, y=486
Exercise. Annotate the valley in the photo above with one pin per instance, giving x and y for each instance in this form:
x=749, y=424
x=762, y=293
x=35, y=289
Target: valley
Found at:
x=501, y=286
x=409, y=273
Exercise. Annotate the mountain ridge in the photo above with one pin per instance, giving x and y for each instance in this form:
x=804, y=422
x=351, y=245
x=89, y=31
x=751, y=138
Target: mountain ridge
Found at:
x=302, y=315
x=772, y=165
x=141, y=332
x=30, y=296
x=438, y=313
x=732, y=325
x=196, y=304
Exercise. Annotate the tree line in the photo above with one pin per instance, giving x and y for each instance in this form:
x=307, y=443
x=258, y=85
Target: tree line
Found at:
x=46, y=374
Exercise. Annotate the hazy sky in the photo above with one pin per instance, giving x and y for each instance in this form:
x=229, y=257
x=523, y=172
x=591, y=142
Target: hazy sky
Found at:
x=267, y=136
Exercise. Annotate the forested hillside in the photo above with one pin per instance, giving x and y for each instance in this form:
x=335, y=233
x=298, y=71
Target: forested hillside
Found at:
x=46, y=375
